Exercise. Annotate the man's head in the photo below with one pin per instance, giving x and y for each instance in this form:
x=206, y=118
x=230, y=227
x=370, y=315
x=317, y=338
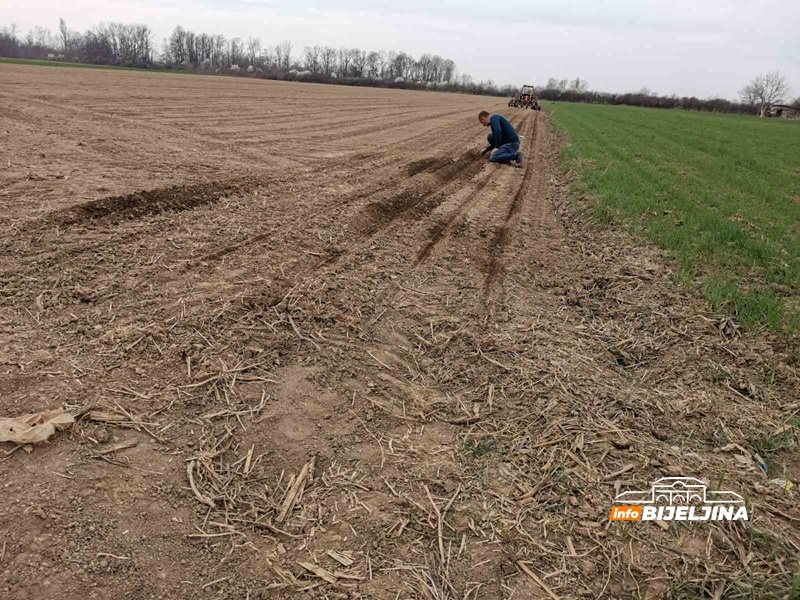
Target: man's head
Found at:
x=483, y=117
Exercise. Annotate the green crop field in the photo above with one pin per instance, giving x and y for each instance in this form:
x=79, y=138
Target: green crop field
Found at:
x=720, y=192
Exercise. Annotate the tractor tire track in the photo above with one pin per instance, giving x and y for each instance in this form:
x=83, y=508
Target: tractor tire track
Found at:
x=444, y=228
x=501, y=238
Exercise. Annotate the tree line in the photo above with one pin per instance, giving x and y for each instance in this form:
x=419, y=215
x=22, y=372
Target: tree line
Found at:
x=187, y=49
x=134, y=45
x=756, y=97
x=105, y=44
x=120, y=44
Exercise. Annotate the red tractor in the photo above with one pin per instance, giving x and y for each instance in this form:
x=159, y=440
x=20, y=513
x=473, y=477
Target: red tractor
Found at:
x=526, y=98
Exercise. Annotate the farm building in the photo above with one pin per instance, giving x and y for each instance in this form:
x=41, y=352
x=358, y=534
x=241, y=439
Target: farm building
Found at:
x=783, y=111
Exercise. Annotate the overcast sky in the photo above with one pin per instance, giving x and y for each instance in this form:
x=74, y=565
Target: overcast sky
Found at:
x=687, y=47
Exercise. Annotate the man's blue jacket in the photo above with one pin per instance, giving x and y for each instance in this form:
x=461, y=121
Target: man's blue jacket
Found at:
x=503, y=132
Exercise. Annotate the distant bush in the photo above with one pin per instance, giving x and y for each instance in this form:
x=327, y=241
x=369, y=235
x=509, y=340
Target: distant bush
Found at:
x=649, y=100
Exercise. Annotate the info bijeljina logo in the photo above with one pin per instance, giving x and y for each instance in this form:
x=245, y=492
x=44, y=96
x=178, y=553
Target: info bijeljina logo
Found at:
x=679, y=499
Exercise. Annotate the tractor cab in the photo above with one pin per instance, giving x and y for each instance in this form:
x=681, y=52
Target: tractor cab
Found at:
x=526, y=98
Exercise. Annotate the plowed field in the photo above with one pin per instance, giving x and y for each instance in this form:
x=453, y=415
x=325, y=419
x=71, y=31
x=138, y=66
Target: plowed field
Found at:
x=318, y=348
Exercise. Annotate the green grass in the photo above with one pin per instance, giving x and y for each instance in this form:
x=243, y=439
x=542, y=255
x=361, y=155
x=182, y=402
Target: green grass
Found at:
x=720, y=192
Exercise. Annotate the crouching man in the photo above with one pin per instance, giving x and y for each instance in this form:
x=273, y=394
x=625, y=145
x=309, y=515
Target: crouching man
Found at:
x=503, y=140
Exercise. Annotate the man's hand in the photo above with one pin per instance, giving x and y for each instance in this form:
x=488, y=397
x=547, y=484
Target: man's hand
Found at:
x=485, y=151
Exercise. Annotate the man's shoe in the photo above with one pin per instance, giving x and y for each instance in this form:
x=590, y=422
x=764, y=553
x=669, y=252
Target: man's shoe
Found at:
x=519, y=159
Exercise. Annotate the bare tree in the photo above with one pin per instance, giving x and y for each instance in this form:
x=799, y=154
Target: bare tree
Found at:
x=120, y=44
x=374, y=64
x=401, y=64
x=187, y=46
x=328, y=60
x=435, y=69
x=388, y=64
x=142, y=45
x=62, y=28
x=425, y=67
x=205, y=48
x=311, y=58
x=407, y=61
x=448, y=70
x=359, y=59
x=344, y=62
x=557, y=84
x=10, y=31
x=765, y=90
x=235, y=51
x=9, y=45
x=283, y=55
x=579, y=85
x=253, y=50
x=41, y=36
x=749, y=94
x=176, y=50
x=219, y=58
x=268, y=57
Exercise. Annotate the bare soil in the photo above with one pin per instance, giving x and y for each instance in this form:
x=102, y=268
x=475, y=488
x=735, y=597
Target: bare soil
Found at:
x=350, y=359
